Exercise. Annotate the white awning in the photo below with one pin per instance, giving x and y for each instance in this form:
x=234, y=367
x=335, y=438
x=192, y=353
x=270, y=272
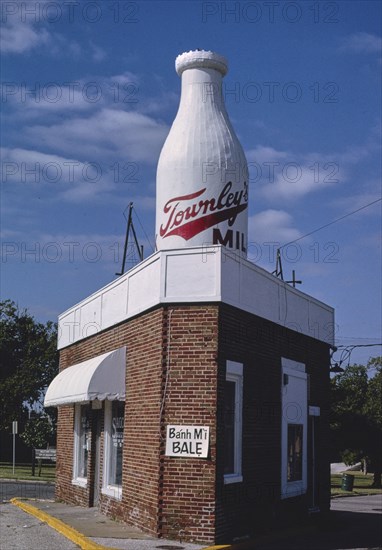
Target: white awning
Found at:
x=102, y=377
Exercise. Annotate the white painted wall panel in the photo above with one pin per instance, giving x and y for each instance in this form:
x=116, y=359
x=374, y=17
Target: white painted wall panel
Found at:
x=296, y=310
x=91, y=313
x=144, y=287
x=190, y=277
x=65, y=329
x=230, y=269
x=114, y=303
x=322, y=326
x=77, y=323
x=198, y=274
x=258, y=292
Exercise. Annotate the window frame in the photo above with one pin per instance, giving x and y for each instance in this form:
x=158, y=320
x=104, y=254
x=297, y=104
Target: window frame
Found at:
x=109, y=489
x=292, y=373
x=234, y=373
x=77, y=479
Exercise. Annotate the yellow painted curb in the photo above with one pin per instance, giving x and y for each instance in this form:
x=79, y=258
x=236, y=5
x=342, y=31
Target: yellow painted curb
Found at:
x=68, y=532
x=219, y=547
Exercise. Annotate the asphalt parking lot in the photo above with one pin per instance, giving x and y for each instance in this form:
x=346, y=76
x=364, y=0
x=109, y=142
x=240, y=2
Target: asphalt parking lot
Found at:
x=354, y=523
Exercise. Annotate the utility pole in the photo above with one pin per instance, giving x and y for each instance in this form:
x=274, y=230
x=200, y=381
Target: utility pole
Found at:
x=130, y=225
x=14, y=433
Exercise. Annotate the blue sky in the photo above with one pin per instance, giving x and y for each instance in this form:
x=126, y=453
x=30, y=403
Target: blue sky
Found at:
x=89, y=92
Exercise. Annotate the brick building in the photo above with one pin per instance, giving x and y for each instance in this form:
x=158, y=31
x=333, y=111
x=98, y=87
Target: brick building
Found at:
x=193, y=398
x=193, y=391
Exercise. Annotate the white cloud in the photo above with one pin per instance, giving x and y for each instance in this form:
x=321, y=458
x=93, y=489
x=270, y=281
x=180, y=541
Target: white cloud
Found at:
x=286, y=175
x=22, y=29
x=27, y=25
x=352, y=203
x=263, y=154
x=125, y=78
x=361, y=42
x=297, y=180
x=54, y=98
x=67, y=178
x=98, y=53
x=108, y=134
x=357, y=153
x=283, y=175
x=21, y=37
x=158, y=105
x=42, y=99
x=73, y=249
x=274, y=226
x=145, y=203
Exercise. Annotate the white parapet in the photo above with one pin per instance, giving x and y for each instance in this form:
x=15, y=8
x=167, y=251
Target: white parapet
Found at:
x=191, y=275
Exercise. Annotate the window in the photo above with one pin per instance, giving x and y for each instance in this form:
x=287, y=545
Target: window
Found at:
x=229, y=426
x=233, y=404
x=294, y=472
x=293, y=428
x=82, y=441
x=115, y=456
x=114, y=425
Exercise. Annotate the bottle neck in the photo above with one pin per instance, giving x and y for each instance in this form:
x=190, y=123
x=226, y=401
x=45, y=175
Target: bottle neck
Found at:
x=201, y=86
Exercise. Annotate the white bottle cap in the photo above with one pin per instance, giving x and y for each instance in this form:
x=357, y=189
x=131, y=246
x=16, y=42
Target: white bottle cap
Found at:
x=201, y=59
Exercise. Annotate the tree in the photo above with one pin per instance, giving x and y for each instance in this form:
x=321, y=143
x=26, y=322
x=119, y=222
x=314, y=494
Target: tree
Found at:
x=356, y=403
x=28, y=362
x=39, y=432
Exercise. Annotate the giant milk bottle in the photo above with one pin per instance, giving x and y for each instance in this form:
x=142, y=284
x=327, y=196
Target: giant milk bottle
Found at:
x=202, y=175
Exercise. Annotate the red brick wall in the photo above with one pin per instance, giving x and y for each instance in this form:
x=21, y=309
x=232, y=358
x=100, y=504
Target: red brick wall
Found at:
x=142, y=421
x=255, y=504
x=188, y=493
x=65, y=490
x=180, y=352
x=143, y=338
x=154, y=486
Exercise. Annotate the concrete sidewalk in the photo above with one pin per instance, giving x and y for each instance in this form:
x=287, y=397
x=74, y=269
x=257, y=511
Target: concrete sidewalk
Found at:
x=91, y=530
x=354, y=524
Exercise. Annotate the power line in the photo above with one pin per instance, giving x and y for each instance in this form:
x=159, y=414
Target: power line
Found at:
x=345, y=354
x=356, y=338
x=352, y=346
x=331, y=223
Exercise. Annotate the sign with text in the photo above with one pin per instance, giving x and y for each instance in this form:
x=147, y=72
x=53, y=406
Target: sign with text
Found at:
x=45, y=454
x=187, y=441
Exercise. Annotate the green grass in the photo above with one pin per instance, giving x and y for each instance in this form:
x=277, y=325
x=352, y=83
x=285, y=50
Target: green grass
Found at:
x=24, y=472
x=362, y=485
